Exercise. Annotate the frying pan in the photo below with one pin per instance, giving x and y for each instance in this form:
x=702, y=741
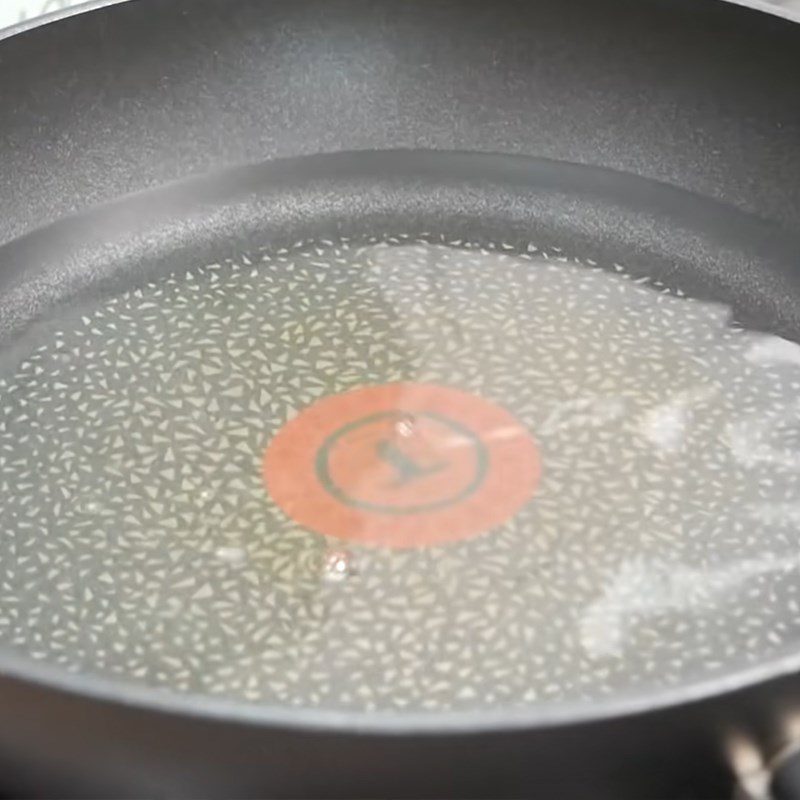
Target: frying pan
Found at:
x=145, y=137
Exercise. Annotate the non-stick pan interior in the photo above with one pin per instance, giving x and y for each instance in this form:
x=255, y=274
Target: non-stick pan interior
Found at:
x=410, y=433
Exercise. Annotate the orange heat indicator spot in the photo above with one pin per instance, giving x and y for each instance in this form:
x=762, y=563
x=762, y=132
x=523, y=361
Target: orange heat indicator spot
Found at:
x=402, y=465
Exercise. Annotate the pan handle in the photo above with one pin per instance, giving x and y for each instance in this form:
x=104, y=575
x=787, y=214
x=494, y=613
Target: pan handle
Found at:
x=778, y=779
x=784, y=781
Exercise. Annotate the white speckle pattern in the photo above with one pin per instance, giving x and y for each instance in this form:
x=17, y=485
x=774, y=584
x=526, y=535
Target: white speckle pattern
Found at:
x=139, y=544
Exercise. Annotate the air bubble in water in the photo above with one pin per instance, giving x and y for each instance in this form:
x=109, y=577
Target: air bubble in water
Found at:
x=405, y=426
x=337, y=565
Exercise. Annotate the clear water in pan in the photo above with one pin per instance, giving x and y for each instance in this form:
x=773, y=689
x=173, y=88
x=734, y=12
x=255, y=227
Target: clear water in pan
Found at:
x=657, y=546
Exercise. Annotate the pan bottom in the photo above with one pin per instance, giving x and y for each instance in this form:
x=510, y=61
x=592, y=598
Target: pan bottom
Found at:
x=400, y=472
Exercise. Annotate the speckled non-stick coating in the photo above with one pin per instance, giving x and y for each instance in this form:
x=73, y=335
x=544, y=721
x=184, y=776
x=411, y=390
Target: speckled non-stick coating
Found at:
x=139, y=543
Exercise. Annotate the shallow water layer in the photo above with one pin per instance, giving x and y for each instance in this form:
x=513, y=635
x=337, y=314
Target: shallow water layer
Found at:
x=659, y=547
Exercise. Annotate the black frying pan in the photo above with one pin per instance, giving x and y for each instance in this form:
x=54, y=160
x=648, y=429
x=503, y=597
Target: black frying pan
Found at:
x=662, y=139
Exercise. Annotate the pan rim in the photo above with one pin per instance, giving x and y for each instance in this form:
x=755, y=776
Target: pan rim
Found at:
x=535, y=716
x=788, y=11
x=55, y=16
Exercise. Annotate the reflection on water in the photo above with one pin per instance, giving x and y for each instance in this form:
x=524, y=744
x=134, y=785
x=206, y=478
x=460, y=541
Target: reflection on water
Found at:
x=642, y=589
